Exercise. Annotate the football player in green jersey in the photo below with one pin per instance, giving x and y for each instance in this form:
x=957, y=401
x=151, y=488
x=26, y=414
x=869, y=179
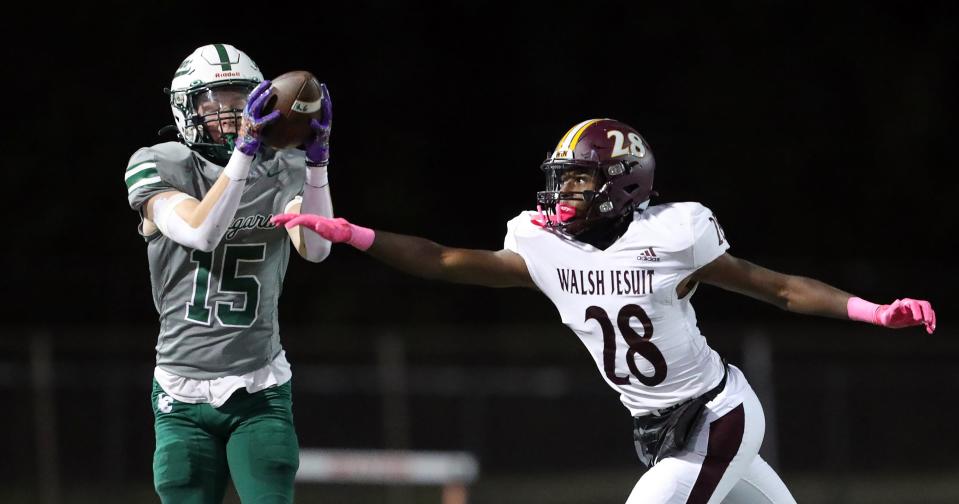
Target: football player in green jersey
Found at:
x=221, y=388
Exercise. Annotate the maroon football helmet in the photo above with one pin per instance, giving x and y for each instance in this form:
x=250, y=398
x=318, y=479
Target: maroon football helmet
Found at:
x=619, y=160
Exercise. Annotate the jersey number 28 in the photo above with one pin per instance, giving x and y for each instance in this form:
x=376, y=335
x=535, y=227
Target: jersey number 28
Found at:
x=637, y=344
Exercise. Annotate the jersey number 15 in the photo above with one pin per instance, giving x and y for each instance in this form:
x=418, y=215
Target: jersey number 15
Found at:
x=235, y=313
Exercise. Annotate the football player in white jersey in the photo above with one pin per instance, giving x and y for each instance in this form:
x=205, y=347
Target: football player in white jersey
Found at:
x=621, y=274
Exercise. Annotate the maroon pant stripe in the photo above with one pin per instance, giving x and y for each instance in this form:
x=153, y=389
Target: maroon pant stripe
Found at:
x=725, y=436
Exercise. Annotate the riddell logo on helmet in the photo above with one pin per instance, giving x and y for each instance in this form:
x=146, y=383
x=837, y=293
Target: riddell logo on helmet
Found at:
x=220, y=75
x=648, y=256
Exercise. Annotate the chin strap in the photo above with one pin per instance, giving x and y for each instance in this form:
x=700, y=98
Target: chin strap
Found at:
x=168, y=129
x=230, y=141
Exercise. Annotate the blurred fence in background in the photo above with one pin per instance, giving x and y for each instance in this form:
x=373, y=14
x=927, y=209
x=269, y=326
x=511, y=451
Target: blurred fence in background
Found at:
x=854, y=413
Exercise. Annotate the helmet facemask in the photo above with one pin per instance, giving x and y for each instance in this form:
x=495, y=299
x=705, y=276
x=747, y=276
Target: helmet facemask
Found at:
x=212, y=116
x=569, y=195
x=602, y=201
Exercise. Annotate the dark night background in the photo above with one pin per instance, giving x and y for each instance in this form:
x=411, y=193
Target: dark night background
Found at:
x=820, y=134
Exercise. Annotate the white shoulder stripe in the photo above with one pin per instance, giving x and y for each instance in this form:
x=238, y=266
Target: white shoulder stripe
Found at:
x=141, y=163
x=138, y=169
x=141, y=183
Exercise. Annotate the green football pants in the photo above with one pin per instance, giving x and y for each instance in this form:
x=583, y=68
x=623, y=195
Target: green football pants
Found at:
x=251, y=438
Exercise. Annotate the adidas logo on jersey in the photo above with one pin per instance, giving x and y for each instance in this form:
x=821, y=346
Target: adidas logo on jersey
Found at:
x=648, y=255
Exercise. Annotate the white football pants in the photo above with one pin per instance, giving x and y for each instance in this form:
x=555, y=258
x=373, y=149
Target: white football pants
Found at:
x=722, y=462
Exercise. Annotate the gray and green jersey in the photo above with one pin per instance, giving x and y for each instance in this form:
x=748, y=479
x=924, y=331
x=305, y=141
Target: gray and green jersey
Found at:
x=218, y=310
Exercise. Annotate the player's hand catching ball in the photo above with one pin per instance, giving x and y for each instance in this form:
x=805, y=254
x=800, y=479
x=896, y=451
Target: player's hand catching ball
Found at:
x=254, y=120
x=318, y=146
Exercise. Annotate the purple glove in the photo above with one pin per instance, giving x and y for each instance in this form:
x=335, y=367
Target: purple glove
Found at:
x=251, y=127
x=335, y=230
x=318, y=146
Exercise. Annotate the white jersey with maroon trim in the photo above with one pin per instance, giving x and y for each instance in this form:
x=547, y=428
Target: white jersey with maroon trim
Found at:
x=622, y=301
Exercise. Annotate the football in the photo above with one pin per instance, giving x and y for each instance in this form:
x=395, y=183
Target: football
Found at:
x=297, y=96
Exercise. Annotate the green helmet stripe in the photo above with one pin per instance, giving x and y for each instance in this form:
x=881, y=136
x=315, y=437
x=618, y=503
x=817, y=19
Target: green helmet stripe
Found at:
x=224, y=57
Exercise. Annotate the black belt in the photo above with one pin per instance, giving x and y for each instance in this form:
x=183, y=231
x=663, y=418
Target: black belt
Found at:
x=711, y=394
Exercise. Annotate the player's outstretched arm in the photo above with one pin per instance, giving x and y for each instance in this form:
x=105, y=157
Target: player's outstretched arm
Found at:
x=308, y=244
x=201, y=224
x=419, y=256
x=427, y=259
x=809, y=296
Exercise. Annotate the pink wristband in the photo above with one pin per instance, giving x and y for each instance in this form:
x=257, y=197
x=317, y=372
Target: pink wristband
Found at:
x=362, y=238
x=862, y=310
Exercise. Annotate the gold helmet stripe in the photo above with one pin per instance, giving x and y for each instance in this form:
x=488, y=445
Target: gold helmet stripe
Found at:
x=566, y=145
x=575, y=131
x=575, y=140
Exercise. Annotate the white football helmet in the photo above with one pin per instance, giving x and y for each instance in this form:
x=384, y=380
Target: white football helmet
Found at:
x=207, y=96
